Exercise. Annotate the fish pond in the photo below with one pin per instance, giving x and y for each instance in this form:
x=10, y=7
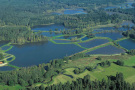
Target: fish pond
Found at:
x=34, y=54
x=112, y=35
x=126, y=5
x=71, y=11
x=6, y=68
x=52, y=27
x=37, y=53
x=128, y=44
x=93, y=43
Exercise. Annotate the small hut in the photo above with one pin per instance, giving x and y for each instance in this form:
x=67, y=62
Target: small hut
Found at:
x=1, y=62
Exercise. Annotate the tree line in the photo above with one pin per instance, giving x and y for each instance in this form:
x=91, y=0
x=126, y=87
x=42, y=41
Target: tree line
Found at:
x=112, y=83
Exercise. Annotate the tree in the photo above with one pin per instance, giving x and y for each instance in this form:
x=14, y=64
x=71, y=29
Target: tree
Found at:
x=89, y=68
x=98, y=58
x=1, y=56
x=119, y=62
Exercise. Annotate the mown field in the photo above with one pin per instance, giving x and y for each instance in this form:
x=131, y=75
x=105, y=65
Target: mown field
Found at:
x=16, y=87
x=97, y=74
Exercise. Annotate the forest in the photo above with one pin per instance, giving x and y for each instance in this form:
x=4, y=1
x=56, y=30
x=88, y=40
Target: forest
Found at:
x=113, y=83
x=17, y=35
x=38, y=12
x=18, y=17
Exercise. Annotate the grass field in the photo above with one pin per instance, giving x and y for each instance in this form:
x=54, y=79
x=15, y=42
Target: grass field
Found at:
x=100, y=72
x=97, y=74
x=17, y=87
x=130, y=61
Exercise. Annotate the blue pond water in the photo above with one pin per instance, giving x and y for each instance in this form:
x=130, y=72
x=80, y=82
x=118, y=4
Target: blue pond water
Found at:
x=49, y=34
x=5, y=47
x=93, y=43
x=128, y=44
x=110, y=7
x=85, y=38
x=107, y=50
x=50, y=27
x=113, y=36
x=76, y=11
x=112, y=28
x=128, y=23
x=123, y=6
x=62, y=41
x=70, y=37
x=34, y=54
x=6, y=68
x=71, y=11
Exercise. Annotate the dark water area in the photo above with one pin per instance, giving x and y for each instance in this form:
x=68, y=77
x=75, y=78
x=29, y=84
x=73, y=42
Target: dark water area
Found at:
x=52, y=27
x=70, y=37
x=71, y=12
x=112, y=35
x=129, y=23
x=110, y=7
x=107, y=50
x=75, y=11
x=93, y=43
x=50, y=34
x=9, y=59
x=85, y=38
x=5, y=47
x=28, y=55
x=6, y=68
x=62, y=41
x=111, y=28
x=128, y=44
x=127, y=5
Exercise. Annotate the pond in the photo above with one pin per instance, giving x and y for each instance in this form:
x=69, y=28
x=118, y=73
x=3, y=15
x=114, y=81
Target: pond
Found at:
x=113, y=35
x=62, y=41
x=93, y=43
x=112, y=28
x=71, y=11
x=110, y=7
x=50, y=34
x=85, y=38
x=107, y=50
x=126, y=5
x=38, y=53
x=5, y=47
x=52, y=27
x=74, y=11
x=70, y=37
x=128, y=44
x=129, y=23
x=6, y=68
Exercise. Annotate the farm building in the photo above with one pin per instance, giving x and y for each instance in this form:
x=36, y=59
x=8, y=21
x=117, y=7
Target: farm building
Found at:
x=1, y=62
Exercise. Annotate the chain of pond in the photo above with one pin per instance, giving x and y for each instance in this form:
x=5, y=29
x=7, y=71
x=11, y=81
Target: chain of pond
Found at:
x=76, y=43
